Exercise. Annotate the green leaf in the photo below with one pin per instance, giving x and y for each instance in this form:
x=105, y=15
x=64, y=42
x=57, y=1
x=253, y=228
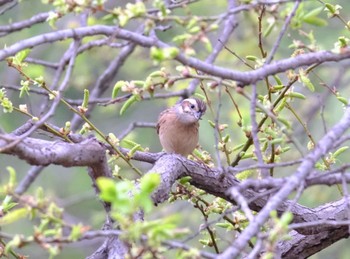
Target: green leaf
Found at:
x=128, y=103
x=160, y=54
x=20, y=56
x=5, y=102
x=340, y=151
x=284, y=121
x=13, y=216
x=207, y=44
x=181, y=38
x=13, y=177
x=15, y=242
x=225, y=225
x=118, y=85
x=86, y=98
x=314, y=12
x=107, y=189
x=52, y=19
x=244, y=175
x=131, y=144
x=315, y=21
x=296, y=95
x=137, y=9
x=332, y=10
x=76, y=232
x=149, y=183
x=306, y=81
x=211, y=123
x=343, y=100
x=25, y=88
x=251, y=58
x=185, y=179
x=269, y=29
x=7, y=204
x=286, y=218
x=144, y=202
x=134, y=149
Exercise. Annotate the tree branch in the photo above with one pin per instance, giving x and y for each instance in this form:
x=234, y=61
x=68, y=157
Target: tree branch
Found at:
x=244, y=78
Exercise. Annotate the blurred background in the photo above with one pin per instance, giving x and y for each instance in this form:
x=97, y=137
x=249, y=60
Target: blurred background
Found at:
x=71, y=187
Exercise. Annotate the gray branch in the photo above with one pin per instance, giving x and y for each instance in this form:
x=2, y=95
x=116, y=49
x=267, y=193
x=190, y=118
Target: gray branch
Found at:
x=305, y=168
x=244, y=78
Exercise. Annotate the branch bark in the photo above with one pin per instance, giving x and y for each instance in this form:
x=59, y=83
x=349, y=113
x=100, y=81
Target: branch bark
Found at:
x=244, y=78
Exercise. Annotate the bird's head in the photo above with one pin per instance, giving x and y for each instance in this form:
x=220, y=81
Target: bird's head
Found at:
x=191, y=110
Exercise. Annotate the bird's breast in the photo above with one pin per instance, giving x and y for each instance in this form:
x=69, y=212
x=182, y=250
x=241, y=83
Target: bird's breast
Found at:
x=179, y=138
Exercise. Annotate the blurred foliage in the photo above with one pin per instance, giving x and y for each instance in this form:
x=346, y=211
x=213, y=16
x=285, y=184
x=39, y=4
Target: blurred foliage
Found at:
x=306, y=102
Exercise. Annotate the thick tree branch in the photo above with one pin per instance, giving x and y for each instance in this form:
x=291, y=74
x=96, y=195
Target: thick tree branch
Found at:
x=301, y=246
x=306, y=167
x=244, y=78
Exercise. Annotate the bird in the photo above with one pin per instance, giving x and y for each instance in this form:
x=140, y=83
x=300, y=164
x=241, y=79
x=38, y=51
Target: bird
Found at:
x=178, y=125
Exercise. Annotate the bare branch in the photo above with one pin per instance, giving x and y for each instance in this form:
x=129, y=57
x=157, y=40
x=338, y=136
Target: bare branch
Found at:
x=244, y=78
x=324, y=145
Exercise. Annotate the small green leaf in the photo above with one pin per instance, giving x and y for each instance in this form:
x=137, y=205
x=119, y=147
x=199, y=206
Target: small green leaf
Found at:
x=13, y=216
x=225, y=225
x=340, y=151
x=134, y=149
x=194, y=29
x=128, y=103
x=278, y=80
x=107, y=189
x=21, y=56
x=276, y=141
x=251, y=58
x=86, y=98
x=123, y=20
x=269, y=29
x=13, y=177
x=314, y=12
x=207, y=44
x=181, y=38
x=244, y=175
x=6, y=105
x=144, y=201
x=149, y=183
x=296, y=95
x=343, y=100
x=7, y=204
x=160, y=54
x=343, y=42
x=286, y=218
x=284, y=121
x=211, y=123
x=332, y=10
x=15, y=242
x=25, y=88
x=281, y=106
x=306, y=81
x=76, y=232
x=52, y=19
x=185, y=179
x=118, y=85
x=315, y=21
x=131, y=144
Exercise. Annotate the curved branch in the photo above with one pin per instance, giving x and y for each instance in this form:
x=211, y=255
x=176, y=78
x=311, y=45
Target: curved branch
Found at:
x=305, y=168
x=244, y=78
x=300, y=246
x=41, y=17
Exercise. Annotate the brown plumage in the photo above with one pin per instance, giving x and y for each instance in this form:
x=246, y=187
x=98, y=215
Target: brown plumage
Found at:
x=178, y=126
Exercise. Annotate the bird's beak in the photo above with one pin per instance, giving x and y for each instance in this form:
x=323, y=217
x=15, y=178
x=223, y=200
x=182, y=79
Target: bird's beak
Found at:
x=198, y=115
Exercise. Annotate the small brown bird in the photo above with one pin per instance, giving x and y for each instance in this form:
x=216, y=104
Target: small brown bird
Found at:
x=177, y=126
